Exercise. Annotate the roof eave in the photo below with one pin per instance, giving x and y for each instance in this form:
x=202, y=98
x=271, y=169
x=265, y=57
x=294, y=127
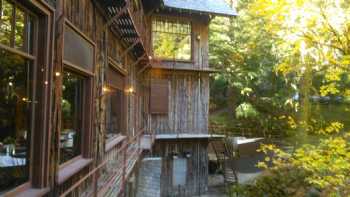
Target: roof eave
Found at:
x=203, y=12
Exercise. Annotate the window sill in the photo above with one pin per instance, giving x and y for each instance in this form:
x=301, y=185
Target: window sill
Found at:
x=26, y=190
x=33, y=192
x=71, y=169
x=114, y=142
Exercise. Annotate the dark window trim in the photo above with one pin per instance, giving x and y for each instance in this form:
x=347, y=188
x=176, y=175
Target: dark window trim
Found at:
x=85, y=37
x=86, y=116
x=117, y=66
x=17, y=52
x=18, y=3
x=71, y=25
x=110, y=143
x=88, y=98
x=39, y=151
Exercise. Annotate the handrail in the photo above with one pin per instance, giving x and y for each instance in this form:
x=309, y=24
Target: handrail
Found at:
x=240, y=131
x=122, y=150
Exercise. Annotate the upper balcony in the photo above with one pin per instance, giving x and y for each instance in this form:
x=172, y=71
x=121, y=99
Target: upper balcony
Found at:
x=127, y=19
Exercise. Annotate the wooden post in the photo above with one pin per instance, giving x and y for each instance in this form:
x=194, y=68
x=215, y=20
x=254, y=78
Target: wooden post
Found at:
x=124, y=169
x=56, y=120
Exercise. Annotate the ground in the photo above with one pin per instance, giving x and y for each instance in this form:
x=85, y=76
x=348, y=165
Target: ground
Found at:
x=246, y=172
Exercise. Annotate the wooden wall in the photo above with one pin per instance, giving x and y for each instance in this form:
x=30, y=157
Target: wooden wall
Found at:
x=188, y=104
x=197, y=167
x=188, y=90
x=188, y=108
x=86, y=17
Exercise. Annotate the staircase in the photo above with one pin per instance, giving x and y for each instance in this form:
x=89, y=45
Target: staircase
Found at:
x=226, y=160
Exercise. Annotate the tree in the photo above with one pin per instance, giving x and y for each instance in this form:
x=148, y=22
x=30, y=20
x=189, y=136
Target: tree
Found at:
x=297, y=49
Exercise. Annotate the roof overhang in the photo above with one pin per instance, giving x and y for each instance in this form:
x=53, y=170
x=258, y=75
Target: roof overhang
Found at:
x=186, y=136
x=210, y=7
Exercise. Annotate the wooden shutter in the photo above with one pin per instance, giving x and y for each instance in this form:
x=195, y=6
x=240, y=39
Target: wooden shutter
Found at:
x=159, y=98
x=114, y=78
x=78, y=50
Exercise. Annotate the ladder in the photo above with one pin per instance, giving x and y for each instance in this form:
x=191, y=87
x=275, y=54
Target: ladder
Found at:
x=225, y=157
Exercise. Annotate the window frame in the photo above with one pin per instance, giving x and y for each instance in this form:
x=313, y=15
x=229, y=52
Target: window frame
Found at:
x=173, y=19
x=43, y=15
x=116, y=68
x=87, y=109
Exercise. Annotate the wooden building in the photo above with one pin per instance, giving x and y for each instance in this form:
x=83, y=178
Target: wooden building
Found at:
x=91, y=87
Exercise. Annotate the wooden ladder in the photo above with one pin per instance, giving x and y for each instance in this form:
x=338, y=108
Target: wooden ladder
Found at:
x=226, y=160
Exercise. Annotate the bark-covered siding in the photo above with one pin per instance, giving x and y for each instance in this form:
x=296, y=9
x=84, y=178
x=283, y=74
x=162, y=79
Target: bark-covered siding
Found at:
x=196, y=181
x=90, y=21
x=188, y=105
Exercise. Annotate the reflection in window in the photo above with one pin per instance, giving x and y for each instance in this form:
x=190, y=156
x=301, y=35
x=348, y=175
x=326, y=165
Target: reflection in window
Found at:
x=114, y=113
x=15, y=116
x=72, y=102
x=16, y=27
x=6, y=22
x=171, y=40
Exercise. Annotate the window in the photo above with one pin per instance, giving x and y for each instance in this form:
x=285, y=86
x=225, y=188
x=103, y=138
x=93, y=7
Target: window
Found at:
x=76, y=103
x=171, y=40
x=16, y=27
x=114, y=113
x=114, y=103
x=72, y=117
x=17, y=100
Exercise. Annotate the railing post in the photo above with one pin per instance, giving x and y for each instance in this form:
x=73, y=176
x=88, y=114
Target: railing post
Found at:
x=139, y=142
x=124, y=168
x=95, y=183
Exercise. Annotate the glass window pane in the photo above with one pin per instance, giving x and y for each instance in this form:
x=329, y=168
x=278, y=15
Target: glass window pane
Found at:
x=72, y=100
x=114, y=113
x=29, y=34
x=20, y=29
x=171, y=40
x=6, y=22
x=15, y=106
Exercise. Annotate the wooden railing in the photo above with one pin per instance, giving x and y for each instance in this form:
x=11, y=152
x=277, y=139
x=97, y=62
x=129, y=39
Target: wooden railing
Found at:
x=241, y=132
x=110, y=175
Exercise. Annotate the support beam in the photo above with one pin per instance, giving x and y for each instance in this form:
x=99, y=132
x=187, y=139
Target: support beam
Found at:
x=138, y=60
x=130, y=47
x=124, y=10
x=144, y=68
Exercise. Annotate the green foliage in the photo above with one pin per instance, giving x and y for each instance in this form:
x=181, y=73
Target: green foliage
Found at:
x=284, y=182
x=171, y=40
x=278, y=49
x=246, y=53
x=246, y=110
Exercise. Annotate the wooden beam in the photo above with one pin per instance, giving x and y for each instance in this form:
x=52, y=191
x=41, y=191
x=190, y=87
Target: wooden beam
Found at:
x=138, y=60
x=115, y=17
x=130, y=47
x=144, y=68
